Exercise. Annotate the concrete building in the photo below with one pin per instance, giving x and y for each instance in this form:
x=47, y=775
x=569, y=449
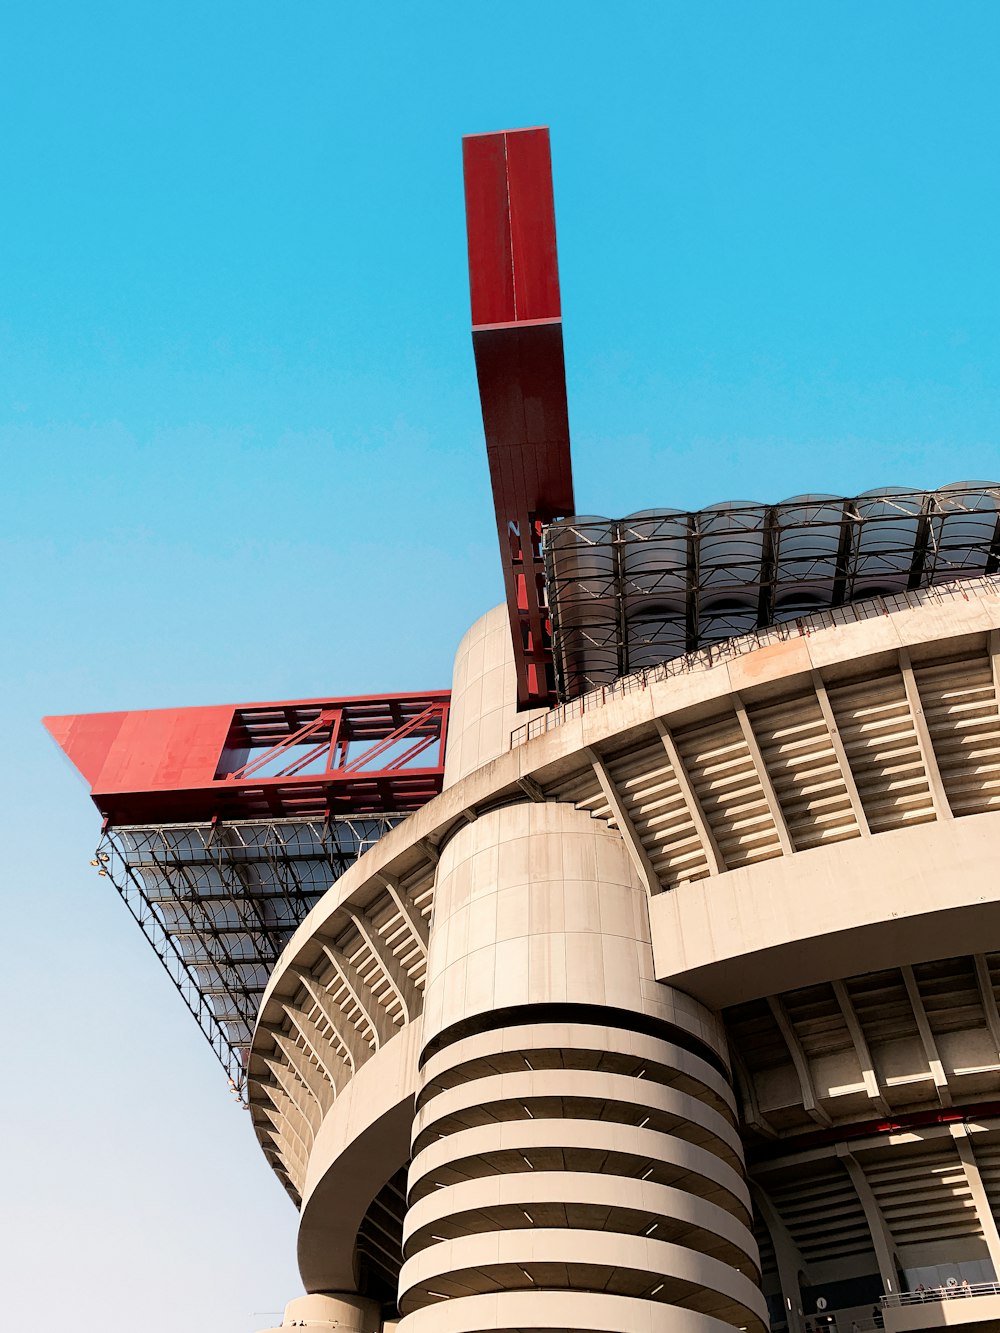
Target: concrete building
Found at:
x=675, y=1008
x=680, y=1013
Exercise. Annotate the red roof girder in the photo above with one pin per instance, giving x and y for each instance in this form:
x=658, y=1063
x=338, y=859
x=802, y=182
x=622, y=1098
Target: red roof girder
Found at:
x=232, y=761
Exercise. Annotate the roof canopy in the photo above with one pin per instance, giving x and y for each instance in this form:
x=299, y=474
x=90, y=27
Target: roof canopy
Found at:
x=629, y=593
x=373, y=754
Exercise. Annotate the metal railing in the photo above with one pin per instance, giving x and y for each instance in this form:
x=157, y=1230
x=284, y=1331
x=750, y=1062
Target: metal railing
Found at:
x=942, y=1293
x=728, y=649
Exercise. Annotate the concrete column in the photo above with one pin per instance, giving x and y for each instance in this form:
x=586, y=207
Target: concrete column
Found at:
x=575, y=1142
x=324, y=1314
x=988, y=1223
x=788, y=1258
x=885, y=1252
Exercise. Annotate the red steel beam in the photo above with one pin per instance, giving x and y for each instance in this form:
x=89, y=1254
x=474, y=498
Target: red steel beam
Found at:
x=518, y=345
x=244, y=761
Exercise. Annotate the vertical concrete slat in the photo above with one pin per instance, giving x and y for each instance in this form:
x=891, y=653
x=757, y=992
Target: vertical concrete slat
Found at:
x=938, y=794
x=882, y=1239
x=799, y=1059
x=861, y=1048
x=980, y=1199
x=926, y=1036
x=837, y=741
x=764, y=777
x=716, y=865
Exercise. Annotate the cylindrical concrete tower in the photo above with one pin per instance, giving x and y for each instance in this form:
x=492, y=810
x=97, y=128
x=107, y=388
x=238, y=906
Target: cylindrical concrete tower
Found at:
x=574, y=1144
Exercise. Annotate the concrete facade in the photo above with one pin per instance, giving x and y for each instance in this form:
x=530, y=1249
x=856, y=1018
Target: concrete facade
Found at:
x=680, y=1013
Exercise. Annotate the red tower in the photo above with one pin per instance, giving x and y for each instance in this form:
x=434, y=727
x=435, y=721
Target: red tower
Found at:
x=518, y=342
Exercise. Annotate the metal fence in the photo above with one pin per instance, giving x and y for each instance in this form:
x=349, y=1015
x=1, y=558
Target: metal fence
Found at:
x=945, y=1292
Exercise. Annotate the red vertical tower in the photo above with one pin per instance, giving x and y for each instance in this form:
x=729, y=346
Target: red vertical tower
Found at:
x=518, y=344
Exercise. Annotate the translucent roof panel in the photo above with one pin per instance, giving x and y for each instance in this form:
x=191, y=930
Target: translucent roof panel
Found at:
x=628, y=593
x=219, y=902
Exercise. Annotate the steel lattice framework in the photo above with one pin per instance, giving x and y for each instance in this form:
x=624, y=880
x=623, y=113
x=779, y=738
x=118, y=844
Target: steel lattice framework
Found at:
x=627, y=594
x=369, y=754
x=224, y=825
x=218, y=903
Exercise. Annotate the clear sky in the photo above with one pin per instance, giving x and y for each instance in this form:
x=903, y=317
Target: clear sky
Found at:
x=242, y=453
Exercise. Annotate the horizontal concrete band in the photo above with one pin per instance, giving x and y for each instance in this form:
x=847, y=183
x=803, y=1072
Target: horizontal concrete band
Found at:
x=704, y=1224
x=582, y=1311
x=468, y=1259
x=700, y=1036
x=695, y=1170
x=347, y=1313
x=691, y=1119
x=524, y=1039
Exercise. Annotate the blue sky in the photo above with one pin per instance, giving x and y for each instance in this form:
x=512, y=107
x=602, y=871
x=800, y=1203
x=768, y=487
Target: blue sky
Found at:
x=243, y=455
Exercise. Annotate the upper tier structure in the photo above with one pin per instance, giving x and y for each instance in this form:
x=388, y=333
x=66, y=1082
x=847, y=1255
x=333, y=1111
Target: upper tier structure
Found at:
x=796, y=835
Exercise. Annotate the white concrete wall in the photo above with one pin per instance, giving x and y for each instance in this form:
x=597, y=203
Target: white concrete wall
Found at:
x=484, y=697
x=540, y=904
x=362, y=1142
x=907, y=896
x=331, y=1314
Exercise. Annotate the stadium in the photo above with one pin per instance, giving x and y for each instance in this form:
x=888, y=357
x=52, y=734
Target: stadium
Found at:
x=647, y=978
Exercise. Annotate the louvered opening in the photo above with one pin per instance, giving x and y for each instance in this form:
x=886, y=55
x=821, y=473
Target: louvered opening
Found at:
x=878, y=734
x=818, y=1021
x=950, y=994
x=882, y=1006
x=419, y=888
x=987, y=1151
x=960, y=705
x=769, y=1280
x=655, y=804
x=580, y=785
x=818, y=1204
x=342, y=1000
x=886, y=1018
x=398, y=938
x=322, y=1035
x=583, y=790
x=360, y=955
x=752, y=1029
x=380, y=1242
x=807, y=779
x=923, y=1195
x=728, y=789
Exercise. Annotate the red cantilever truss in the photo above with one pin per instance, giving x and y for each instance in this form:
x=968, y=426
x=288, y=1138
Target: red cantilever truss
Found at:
x=518, y=344
x=375, y=754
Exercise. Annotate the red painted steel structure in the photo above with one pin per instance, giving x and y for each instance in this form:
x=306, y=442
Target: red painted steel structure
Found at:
x=518, y=344
x=305, y=758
